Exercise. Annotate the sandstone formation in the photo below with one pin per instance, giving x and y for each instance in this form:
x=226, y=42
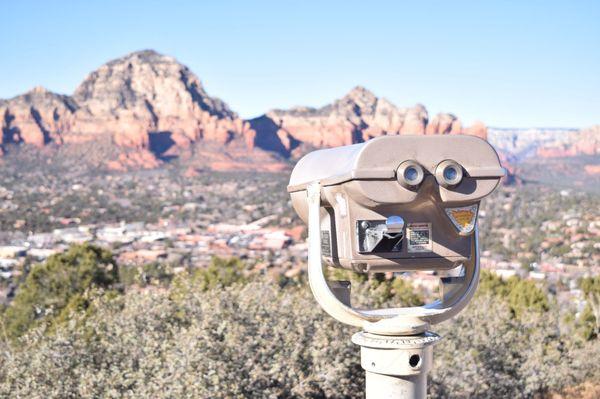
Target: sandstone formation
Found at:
x=146, y=109
x=152, y=107
x=147, y=93
x=354, y=118
x=476, y=129
x=36, y=117
x=584, y=142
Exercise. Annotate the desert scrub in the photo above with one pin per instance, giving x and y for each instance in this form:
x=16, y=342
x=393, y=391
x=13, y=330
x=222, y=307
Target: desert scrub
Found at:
x=522, y=296
x=220, y=273
x=56, y=286
x=377, y=290
x=488, y=352
x=218, y=332
x=258, y=340
x=243, y=341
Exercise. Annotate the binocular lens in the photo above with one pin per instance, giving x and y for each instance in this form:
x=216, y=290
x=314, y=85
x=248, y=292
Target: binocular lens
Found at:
x=450, y=173
x=411, y=174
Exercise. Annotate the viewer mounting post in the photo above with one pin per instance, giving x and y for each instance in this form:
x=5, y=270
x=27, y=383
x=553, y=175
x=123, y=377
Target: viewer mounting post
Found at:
x=395, y=204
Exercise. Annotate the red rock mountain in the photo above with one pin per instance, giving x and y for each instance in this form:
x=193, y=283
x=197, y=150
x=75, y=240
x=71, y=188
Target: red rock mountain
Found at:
x=585, y=142
x=36, y=117
x=149, y=108
x=147, y=92
x=356, y=117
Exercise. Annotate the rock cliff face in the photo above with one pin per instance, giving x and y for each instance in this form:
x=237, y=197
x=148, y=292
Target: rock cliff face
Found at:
x=354, y=118
x=152, y=108
x=584, y=142
x=36, y=117
x=146, y=94
x=145, y=109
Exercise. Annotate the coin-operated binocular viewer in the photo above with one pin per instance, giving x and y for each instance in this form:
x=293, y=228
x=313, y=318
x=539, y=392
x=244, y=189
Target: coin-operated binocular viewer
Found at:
x=395, y=204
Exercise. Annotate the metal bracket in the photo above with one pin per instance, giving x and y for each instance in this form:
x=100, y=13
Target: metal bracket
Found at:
x=394, y=321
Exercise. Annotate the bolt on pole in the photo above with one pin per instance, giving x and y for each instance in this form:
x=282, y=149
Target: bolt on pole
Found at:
x=396, y=366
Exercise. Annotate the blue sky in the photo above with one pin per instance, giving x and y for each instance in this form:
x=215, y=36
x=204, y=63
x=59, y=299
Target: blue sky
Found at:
x=522, y=64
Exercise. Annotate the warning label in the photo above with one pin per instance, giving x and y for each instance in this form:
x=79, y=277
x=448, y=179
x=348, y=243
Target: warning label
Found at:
x=419, y=237
x=325, y=243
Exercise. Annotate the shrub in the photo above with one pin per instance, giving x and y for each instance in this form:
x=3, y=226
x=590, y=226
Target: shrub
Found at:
x=487, y=352
x=244, y=341
x=215, y=333
x=521, y=295
x=376, y=290
x=590, y=317
x=220, y=273
x=148, y=274
x=51, y=286
x=258, y=340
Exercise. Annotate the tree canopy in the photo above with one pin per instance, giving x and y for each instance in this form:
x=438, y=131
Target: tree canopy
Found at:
x=521, y=295
x=58, y=284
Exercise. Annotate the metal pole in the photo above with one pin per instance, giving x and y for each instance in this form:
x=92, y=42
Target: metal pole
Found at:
x=380, y=386
x=396, y=366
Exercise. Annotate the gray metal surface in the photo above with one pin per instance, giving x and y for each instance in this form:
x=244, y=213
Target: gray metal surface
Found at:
x=378, y=159
x=359, y=183
x=396, y=366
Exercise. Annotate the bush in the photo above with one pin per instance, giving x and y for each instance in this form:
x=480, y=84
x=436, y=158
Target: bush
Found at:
x=258, y=340
x=220, y=273
x=521, y=295
x=377, y=290
x=243, y=341
x=148, y=274
x=215, y=333
x=487, y=352
x=58, y=284
x=590, y=318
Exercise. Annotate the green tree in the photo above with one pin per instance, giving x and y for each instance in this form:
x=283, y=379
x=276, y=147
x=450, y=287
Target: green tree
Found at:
x=521, y=295
x=153, y=273
x=587, y=323
x=590, y=317
x=526, y=295
x=58, y=285
x=491, y=284
x=220, y=273
x=405, y=293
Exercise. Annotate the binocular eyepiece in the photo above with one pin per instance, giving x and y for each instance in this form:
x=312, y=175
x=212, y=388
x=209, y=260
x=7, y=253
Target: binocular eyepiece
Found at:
x=398, y=203
x=395, y=203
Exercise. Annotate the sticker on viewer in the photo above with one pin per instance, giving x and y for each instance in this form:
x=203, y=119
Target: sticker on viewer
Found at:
x=419, y=237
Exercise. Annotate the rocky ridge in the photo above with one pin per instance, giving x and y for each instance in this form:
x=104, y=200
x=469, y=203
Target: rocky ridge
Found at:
x=36, y=117
x=146, y=108
x=151, y=107
x=583, y=142
x=356, y=117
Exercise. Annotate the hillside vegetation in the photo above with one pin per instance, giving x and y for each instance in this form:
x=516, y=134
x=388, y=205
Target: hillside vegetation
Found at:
x=221, y=333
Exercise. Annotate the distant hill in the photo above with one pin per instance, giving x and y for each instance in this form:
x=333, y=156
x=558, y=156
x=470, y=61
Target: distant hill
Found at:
x=546, y=142
x=356, y=117
x=146, y=109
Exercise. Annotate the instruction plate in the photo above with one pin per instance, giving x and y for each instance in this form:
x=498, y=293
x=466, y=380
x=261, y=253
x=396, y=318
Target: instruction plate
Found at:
x=419, y=237
x=325, y=243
